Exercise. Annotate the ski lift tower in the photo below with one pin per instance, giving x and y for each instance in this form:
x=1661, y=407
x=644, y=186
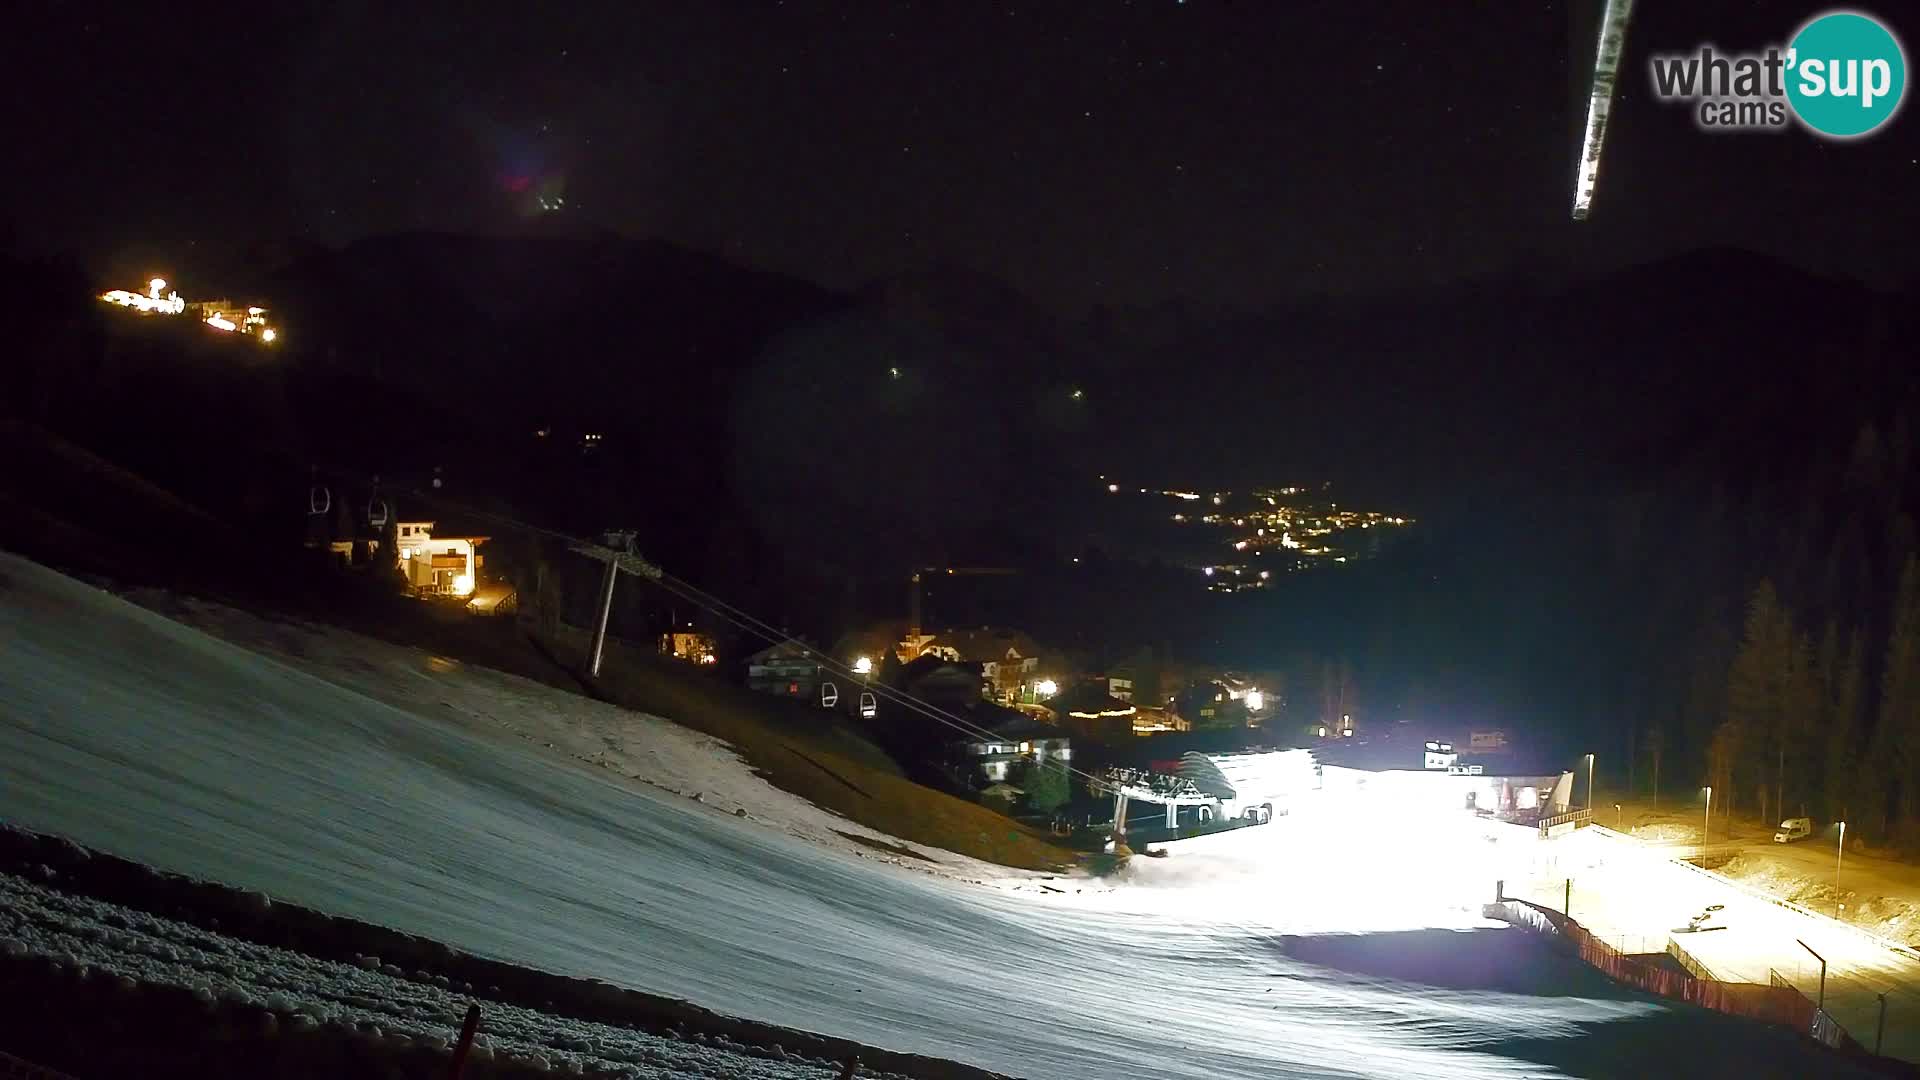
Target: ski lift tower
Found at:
x=1173, y=792
x=617, y=552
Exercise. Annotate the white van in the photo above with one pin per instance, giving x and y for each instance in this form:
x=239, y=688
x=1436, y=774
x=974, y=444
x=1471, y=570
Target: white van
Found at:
x=1794, y=828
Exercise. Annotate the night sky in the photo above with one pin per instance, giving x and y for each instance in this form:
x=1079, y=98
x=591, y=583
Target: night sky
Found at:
x=1088, y=152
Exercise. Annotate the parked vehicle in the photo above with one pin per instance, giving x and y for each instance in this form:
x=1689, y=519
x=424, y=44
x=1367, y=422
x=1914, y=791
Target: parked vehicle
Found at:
x=1794, y=828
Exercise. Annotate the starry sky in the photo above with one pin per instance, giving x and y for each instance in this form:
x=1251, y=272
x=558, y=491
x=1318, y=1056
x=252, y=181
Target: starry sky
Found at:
x=1085, y=152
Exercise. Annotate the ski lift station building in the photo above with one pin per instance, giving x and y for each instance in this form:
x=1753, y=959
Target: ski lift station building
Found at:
x=1260, y=784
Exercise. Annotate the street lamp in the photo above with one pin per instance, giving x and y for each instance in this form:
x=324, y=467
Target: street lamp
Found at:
x=1706, y=828
x=1618, y=816
x=863, y=666
x=1839, y=856
x=1589, y=786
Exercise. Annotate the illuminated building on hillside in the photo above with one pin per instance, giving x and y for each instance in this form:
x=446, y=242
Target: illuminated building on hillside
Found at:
x=150, y=302
x=222, y=315
x=438, y=565
x=236, y=319
x=689, y=646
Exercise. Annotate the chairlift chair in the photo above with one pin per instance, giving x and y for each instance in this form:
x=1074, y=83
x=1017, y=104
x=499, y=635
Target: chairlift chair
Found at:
x=377, y=509
x=319, y=499
x=869, y=705
x=829, y=695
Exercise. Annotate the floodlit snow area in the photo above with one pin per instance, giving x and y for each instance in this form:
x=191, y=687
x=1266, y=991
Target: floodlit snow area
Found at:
x=141, y=951
x=1257, y=953
x=1626, y=891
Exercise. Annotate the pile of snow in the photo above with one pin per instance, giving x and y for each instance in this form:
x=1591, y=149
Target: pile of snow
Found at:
x=1659, y=833
x=366, y=1002
x=1894, y=918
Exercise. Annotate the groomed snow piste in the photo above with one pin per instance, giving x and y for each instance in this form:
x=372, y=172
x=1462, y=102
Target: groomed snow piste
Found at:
x=143, y=737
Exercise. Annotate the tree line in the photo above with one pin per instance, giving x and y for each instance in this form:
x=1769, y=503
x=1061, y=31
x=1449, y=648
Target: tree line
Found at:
x=1805, y=701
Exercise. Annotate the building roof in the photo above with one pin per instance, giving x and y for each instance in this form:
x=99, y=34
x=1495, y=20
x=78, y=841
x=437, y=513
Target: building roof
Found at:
x=1005, y=724
x=921, y=668
x=986, y=643
x=785, y=650
x=1089, y=699
x=1404, y=749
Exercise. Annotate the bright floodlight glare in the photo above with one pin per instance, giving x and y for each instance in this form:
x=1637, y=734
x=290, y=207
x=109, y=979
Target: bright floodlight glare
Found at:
x=1606, y=67
x=268, y=335
x=863, y=666
x=1256, y=701
x=1046, y=688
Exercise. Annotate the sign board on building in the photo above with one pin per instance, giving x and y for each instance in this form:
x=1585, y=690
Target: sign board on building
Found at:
x=1487, y=740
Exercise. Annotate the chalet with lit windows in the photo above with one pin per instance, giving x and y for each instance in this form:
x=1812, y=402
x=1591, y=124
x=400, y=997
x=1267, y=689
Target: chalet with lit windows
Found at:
x=1005, y=741
x=438, y=565
x=788, y=669
x=1009, y=660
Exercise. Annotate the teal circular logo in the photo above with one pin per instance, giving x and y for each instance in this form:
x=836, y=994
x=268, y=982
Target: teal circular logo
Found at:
x=1846, y=74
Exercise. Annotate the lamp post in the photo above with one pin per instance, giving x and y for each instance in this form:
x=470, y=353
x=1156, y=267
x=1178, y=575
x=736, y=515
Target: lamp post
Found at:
x=1707, y=827
x=1619, y=817
x=1822, y=1003
x=1839, y=857
x=1589, y=786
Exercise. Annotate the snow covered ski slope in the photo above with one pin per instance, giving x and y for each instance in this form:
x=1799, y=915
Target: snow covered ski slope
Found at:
x=140, y=736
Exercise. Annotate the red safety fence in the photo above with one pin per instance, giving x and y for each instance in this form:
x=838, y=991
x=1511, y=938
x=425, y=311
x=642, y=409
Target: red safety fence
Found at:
x=1774, y=1004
